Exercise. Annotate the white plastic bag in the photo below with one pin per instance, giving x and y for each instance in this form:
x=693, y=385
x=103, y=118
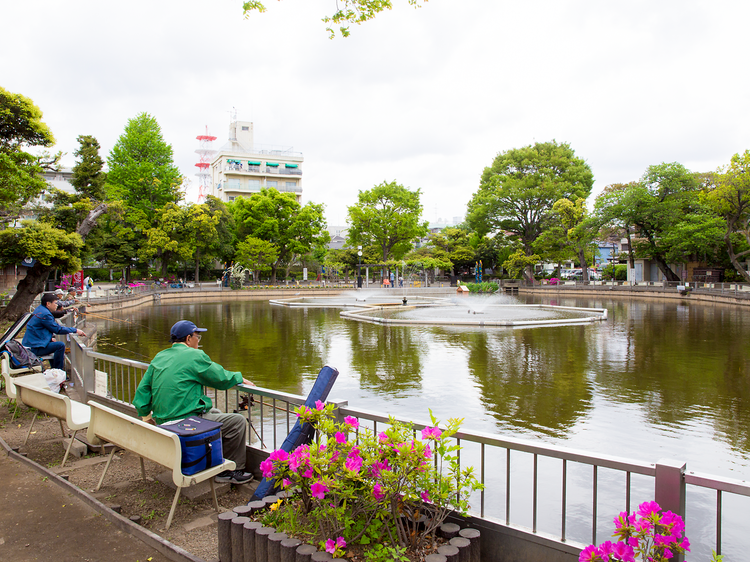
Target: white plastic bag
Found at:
x=54, y=378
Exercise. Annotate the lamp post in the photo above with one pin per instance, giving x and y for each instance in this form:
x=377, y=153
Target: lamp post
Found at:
x=359, y=267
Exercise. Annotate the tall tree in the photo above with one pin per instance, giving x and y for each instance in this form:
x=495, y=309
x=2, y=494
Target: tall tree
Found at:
x=347, y=12
x=729, y=196
x=665, y=197
x=517, y=192
x=53, y=243
x=387, y=216
x=256, y=255
x=88, y=175
x=279, y=219
x=21, y=127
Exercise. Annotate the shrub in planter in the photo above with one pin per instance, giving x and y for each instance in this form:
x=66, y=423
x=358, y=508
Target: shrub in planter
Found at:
x=390, y=490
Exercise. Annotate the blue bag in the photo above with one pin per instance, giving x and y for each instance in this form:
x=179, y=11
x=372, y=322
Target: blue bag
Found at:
x=200, y=441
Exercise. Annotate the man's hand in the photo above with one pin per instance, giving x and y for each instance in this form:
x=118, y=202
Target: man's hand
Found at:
x=80, y=333
x=247, y=382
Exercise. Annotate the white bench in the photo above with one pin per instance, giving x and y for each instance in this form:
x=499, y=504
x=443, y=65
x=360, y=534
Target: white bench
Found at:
x=75, y=414
x=150, y=442
x=35, y=378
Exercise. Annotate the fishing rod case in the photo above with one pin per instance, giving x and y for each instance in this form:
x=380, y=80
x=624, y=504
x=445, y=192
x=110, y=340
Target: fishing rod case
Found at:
x=200, y=441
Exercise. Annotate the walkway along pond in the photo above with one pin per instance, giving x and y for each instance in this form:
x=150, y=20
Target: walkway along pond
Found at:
x=624, y=387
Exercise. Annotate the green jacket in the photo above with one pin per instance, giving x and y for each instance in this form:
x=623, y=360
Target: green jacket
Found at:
x=171, y=388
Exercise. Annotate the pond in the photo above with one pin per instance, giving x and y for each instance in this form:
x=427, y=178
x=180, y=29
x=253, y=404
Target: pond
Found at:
x=657, y=379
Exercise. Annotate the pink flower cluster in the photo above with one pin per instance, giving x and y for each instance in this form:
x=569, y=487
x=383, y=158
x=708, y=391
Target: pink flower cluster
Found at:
x=331, y=546
x=431, y=433
x=648, y=531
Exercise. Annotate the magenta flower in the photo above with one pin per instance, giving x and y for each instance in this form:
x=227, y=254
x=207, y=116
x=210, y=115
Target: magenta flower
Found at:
x=427, y=452
x=308, y=473
x=286, y=482
x=340, y=542
x=351, y=422
x=425, y=496
x=279, y=455
x=623, y=552
x=302, y=411
x=318, y=490
x=377, y=491
x=589, y=554
x=646, y=509
x=431, y=433
x=266, y=468
x=319, y=405
x=340, y=438
x=382, y=437
x=353, y=463
x=330, y=546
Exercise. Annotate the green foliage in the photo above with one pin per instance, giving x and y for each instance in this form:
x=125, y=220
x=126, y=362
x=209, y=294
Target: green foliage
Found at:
x=279, y=219
x=21, y=126
x=518, y=261
x=387, y=216
x=384, y=553
x=50, y=246
x=257, y=255
x=347, y=12
x=374, y=488
x=88, y=175
x=621, y=272
x=517, y=192
x=484, y=287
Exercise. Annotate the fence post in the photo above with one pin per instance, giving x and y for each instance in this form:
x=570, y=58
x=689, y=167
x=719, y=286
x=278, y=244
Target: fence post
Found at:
x=669, y=486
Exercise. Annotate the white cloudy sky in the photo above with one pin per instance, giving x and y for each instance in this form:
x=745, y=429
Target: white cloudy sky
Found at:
x=425, y=97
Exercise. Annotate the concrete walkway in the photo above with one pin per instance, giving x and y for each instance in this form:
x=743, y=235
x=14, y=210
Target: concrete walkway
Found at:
x=41, y=520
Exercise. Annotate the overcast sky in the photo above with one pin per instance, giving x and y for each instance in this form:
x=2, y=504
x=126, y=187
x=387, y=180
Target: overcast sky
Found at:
x=425, y=97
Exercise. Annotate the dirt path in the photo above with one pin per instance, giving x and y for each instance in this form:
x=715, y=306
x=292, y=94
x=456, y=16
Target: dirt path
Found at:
x=193, y=528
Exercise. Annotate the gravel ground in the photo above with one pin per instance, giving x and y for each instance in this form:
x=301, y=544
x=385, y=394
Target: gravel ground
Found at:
x=194, y=524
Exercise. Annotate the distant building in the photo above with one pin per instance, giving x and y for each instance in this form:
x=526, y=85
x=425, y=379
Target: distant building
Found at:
x=241, y=168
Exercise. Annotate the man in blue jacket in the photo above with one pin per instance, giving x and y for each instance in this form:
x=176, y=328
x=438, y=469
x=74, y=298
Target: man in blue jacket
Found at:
x=41, y=328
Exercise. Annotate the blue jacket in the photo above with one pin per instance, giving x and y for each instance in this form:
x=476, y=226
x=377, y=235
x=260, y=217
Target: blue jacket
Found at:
x=40, y=328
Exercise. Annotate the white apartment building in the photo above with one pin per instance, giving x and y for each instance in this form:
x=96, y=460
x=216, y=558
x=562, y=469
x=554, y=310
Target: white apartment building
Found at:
x=241, y=168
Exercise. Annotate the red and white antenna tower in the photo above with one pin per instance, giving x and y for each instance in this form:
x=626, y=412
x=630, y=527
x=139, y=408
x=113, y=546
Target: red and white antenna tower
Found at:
x=205, y=152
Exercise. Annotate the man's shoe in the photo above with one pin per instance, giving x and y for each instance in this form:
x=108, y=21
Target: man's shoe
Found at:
x=234, y=477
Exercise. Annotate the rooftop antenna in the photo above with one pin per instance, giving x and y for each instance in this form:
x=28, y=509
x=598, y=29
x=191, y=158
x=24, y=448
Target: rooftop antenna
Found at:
x=205, y=152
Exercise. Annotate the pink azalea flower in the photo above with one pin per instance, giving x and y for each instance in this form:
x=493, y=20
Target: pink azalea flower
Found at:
x=624, y=552
x=382, y=437
x=266, y=468
x=279, y=455
x=319, y=405
x=318, y=490
x=302, y=411
x=308, y=473
x=589, y=554
x=330, y=546
x=351, y=421
x=286, y=482
x=685, y=544
x=425, y=496
x=431, y=433
x=340, y=542
x=353, y=463
x=377, y=491
x=340, y=438
x=646, y=509
x=427, y=452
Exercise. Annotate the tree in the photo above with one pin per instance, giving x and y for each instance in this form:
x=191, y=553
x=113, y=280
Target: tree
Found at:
x=665, y=197
x=387, y=216
x=21, y=127
x=88, y=175
x=517, y=192
x=54, y=244
x=518, y=262
x=256, y=255
x=347, y=12
x=279, y=219
x=729, y=197
x=201, y=230
x=167, y=239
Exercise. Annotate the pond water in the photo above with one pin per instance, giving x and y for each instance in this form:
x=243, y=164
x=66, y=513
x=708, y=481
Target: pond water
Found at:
x=657, y=379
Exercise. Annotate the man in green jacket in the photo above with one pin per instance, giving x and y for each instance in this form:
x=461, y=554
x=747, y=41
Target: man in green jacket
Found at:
x=171, y=389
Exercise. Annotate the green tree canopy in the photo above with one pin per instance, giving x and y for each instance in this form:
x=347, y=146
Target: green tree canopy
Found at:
x=21, y=127
x=256, y=255
x=387, y=216
x=517, y=192
x=88, y=175
x=279, y=219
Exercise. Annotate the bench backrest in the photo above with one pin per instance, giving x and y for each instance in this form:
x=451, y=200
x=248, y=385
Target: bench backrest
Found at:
x=132, y=434
x=35, y=379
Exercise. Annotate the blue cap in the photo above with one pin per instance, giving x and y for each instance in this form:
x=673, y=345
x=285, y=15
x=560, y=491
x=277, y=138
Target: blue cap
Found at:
x=184, y=328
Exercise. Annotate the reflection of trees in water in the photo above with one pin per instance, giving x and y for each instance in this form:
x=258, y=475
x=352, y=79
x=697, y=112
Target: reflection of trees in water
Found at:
x=389, y=359
x=534, y=379
x=685, y=361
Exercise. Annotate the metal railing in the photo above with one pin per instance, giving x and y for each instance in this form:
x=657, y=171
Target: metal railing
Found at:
x=503, y=464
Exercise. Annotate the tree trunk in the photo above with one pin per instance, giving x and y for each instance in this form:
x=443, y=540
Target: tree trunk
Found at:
x=733, y=258
x=197, y=264
x=584, y=264
x=665, y=269
x=528, y=274
x=33, y=284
